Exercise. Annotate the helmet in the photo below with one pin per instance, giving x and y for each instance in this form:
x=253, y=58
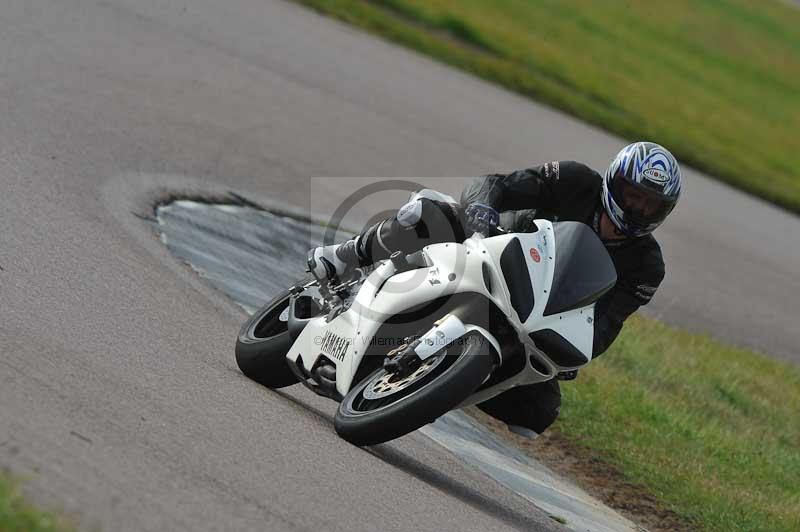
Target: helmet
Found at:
x=641, y=187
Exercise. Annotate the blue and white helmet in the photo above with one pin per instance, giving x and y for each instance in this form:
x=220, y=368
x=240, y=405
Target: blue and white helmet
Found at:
x=641, y=187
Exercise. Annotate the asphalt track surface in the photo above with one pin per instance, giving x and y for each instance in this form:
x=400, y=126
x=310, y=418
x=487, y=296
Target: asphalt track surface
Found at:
x=119, y=396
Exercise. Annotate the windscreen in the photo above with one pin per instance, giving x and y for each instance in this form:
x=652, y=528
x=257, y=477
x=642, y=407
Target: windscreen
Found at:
x=583, y=269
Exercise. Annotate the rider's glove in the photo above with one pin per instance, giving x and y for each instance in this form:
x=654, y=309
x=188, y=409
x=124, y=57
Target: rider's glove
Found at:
x=480, y=218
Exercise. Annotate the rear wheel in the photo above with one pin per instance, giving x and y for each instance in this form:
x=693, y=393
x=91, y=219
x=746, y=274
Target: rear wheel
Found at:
x=263, y=343
x=385, y=406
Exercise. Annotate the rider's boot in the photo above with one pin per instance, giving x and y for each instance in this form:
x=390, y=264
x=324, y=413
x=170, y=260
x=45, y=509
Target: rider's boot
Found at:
x=338, y=260
x=334, y=262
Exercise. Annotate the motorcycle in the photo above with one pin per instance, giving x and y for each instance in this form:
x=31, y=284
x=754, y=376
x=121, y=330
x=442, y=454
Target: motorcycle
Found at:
x=415, y=336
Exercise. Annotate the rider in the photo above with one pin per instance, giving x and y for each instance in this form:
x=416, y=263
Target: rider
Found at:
x=639, y=189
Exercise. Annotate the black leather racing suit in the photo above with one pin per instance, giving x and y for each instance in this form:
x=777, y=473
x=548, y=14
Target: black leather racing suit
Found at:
x=562, y=190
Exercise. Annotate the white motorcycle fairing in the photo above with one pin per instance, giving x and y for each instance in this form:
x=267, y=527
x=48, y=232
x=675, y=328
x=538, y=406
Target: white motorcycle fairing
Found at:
x=474, y=267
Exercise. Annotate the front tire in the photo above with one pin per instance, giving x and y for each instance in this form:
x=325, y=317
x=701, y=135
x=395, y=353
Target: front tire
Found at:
x=263, y=342
x=377, y=410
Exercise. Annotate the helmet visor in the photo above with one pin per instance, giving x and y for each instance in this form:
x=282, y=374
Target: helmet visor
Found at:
x=642, y=206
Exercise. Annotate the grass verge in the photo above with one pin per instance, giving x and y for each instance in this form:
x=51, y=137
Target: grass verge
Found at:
x=701, y=431
x=717, y=81
x=16, y=515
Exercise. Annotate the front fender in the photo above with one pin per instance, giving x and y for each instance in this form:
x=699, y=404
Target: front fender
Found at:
x=446, y=331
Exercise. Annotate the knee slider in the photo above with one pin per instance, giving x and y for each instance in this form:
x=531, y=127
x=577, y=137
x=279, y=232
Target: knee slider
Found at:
x=410, y=214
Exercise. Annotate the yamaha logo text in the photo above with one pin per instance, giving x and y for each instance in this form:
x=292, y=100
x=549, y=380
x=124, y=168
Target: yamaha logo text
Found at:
x=334, y=345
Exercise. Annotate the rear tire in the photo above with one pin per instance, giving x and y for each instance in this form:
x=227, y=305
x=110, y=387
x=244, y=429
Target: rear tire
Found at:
x=263, y=343
x=459, y=370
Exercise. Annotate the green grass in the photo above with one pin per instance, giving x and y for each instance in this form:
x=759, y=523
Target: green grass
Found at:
x=716, y=81
x=710, y=430
x=16, y=515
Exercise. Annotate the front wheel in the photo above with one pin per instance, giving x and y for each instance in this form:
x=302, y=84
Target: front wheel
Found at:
x=263, y=342
x=384, y=406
